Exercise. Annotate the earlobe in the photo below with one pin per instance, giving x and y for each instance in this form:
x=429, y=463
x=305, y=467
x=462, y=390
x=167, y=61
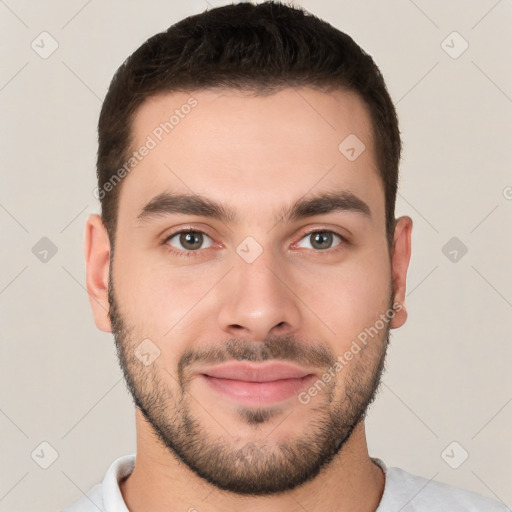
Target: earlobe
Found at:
x=401, y=255
x=97, y=259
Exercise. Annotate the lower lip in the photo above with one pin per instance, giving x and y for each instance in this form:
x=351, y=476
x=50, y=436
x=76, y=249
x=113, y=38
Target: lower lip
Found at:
x=258, y=393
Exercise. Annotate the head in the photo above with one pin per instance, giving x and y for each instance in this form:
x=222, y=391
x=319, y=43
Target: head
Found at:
x=247, y=171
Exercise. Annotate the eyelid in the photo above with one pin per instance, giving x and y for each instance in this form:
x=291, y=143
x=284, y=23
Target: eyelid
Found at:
x=311, y=231
x=319, y=229
x=189, y=229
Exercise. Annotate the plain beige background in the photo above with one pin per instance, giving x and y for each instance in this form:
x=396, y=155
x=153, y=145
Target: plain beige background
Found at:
x=448, y=369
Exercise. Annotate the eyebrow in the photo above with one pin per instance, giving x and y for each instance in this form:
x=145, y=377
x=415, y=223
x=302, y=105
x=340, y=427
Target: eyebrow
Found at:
x=167, y=203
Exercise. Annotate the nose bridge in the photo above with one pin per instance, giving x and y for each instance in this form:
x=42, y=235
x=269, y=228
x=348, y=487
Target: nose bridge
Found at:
x=257, y=298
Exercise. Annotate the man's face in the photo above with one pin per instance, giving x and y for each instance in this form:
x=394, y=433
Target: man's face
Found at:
x=261, y=286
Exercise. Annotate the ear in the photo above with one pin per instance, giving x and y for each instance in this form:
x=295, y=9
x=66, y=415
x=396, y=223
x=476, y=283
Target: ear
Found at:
x=97, y=258
x=400, y=257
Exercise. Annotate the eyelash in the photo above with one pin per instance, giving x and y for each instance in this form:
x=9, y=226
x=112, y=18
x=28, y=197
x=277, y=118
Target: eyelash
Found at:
x=196, y=253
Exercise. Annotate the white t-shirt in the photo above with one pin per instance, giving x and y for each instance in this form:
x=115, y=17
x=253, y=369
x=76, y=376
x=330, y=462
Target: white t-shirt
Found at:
x=403, y=492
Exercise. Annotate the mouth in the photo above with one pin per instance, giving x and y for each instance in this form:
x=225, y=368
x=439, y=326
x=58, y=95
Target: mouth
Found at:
x=256, y=383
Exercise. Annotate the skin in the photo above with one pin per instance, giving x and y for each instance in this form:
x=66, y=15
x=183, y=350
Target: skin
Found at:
x=256, y=154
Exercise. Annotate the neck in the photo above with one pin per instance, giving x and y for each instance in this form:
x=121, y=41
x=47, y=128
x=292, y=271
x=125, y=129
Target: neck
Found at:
x=161, y=482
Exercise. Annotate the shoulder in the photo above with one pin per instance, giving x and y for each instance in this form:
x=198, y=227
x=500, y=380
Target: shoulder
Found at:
x=411, y=493
x=106, y=496
x=90, y=502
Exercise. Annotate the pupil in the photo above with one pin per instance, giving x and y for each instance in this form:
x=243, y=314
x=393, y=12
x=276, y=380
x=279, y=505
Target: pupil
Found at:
x=322, y=237
x=188, y=238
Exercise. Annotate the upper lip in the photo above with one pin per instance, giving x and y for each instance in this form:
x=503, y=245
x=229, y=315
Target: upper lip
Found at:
x=255, y=372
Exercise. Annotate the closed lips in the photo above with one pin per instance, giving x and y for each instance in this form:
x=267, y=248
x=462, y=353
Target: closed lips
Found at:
x=256, y=372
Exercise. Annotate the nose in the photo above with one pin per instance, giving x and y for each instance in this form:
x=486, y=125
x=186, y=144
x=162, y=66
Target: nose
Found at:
x=258, y=300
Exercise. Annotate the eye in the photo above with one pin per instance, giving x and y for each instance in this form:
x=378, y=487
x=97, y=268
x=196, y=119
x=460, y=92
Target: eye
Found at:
x=321, y=239
x=188, y=240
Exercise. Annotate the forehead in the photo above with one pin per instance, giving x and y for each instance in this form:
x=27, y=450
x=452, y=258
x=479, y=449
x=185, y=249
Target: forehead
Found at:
x=232, y=146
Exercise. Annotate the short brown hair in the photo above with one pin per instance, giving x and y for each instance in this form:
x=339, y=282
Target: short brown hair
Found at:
x=261, y=48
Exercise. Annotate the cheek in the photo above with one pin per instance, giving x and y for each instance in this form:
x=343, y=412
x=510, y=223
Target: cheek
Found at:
x=349, y=297
x=156, y=298
x=171, y=303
